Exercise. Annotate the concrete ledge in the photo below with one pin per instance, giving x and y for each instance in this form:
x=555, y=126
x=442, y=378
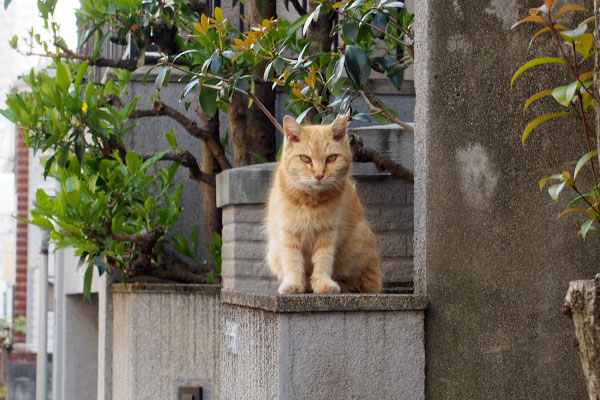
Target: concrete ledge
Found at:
x=166, y=288
x=322, y=302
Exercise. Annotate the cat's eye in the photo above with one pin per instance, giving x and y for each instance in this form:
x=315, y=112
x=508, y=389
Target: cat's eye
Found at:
x=331, y=158
x=305, y=159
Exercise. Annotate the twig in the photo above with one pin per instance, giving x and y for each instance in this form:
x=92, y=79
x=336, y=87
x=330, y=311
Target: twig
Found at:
x=365, y=154
x=382, y=110
x=187, y=160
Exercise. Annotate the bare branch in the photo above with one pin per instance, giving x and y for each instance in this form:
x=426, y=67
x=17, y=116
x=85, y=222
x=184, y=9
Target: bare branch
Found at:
x=382, y=110
x=365, y=154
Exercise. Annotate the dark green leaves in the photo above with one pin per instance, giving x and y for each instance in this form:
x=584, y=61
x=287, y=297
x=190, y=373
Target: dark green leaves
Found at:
x=208, y=101
x=358, y=66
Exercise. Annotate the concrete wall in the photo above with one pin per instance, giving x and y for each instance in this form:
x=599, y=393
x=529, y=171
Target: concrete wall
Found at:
x=322, y=347
x=388, y=204
x=164, y=337
x=497, y=260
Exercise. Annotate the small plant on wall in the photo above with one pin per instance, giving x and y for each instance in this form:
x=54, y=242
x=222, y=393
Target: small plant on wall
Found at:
x=576, y=48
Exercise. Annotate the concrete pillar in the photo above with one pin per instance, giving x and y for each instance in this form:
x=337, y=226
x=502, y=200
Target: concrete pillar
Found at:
x=350, y=346
x=165, y=337
x=497, y=260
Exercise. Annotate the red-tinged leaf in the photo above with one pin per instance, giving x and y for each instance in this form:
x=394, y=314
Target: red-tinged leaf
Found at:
x=539, y=120
x=557, y=27
x=535, y=62
x=585, y=76
x=535, y=97
x=571, y=211
x=531, y=18
x=543, y=182
x=582, y=161
x=550, y=4
x=588, y=21
x=569, y=7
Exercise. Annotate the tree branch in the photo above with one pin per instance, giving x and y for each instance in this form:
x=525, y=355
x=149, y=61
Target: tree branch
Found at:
x=298, y=7
x=382, y=110
x=161, y=109
x=365, y=154
x=187, y=160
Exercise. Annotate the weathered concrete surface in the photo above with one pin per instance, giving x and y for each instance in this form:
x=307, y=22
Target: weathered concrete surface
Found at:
x=165, y=336
x=78, y=362
x=498, y=261
x=289, y=347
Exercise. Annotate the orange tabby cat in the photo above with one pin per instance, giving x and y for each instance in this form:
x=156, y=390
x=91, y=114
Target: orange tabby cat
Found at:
x=318, y=238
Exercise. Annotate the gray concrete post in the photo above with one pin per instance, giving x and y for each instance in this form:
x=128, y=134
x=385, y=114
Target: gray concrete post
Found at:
x=497, y=260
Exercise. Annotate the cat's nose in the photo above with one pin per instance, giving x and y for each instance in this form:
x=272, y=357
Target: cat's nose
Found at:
x=319, y=177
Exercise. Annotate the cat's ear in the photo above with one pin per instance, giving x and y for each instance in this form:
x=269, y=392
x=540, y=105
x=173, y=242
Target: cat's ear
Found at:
x=291, y=128
x=339, y=127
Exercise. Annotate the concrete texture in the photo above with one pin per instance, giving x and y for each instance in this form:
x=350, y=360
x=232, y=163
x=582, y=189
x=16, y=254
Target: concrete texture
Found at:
x=388, y=204
x=79, y=343
x=284, y=347
x=164, y=337
x=497, y=260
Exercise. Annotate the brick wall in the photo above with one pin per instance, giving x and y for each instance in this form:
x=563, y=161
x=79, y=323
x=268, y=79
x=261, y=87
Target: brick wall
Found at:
x=22, y=178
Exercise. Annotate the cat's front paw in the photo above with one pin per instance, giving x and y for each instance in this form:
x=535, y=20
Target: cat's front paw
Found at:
x=290, y=287
x=324, y=285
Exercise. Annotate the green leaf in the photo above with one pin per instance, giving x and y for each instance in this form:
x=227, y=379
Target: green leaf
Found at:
x=535, y=62
x=357, y=65
x=171, y=139
x=208, y=101
x=81, y=70
x=572, y=35
x=584, y=44
x=43, y=200
x=87, y=281
x=586, y=227
x=555, y=190
x=350, y=29
x=133, y=162
x=582, y=161
x=162, y=79
x=380, y=21
x=564, y=94
x=543, y=182
x=63, y=76
x=539, y=120
x=152, y=160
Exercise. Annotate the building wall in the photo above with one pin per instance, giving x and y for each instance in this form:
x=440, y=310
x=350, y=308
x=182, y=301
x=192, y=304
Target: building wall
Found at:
x=497, y=261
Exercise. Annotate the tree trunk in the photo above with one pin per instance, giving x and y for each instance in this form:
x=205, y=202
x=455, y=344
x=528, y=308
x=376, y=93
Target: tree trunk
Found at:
x=321, y=40
x=260, y=133
x=582, y=304
x=320, y=32
x=236, y=113
x=212, y=214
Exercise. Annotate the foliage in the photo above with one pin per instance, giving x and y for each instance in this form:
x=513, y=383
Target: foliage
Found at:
x=116, y=207
x=106, y=195
x=372, y=34
x=575, y=48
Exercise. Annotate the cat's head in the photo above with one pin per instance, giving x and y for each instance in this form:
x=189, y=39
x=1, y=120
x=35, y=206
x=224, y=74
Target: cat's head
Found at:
x=316, y=157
